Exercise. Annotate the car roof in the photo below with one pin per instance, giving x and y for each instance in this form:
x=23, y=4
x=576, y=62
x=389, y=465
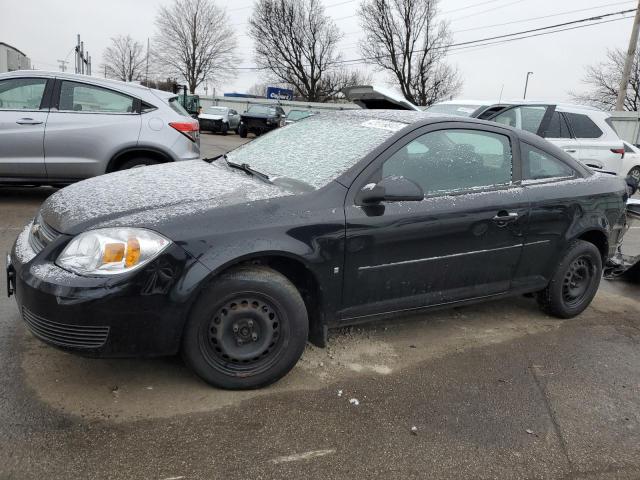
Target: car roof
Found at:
x=560, y=106
x=105, y=82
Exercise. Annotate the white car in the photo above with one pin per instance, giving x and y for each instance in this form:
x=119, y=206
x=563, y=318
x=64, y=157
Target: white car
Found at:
x=630, y=164
x=585, y=133
x=219, y=119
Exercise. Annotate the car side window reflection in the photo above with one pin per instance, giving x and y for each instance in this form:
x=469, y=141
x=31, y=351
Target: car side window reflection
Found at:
x=79, y=97
x=450, y=160
x=538, y=165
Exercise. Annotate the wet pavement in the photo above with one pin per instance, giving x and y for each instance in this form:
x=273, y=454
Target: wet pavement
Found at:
x=497, y=390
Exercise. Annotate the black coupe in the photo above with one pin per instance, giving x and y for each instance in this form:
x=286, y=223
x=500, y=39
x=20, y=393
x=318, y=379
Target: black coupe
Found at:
x=338, y=219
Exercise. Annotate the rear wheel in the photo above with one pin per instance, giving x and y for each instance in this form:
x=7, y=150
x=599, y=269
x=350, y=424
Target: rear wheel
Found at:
x=137, y=163
x=242, y=131
x=574, y=283
x=247, y=330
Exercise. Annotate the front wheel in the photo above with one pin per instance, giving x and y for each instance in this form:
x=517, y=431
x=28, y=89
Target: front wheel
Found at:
x=242, y=130
x=574, y=283
x=635, y=173
x=247, y=330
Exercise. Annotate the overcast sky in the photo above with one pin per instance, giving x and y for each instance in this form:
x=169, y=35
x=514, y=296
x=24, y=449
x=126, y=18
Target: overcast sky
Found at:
x=45, y=30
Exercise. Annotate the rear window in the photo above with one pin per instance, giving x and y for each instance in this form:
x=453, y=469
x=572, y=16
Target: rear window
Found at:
x=583, y=126
x=262, y=110
x=177, y=107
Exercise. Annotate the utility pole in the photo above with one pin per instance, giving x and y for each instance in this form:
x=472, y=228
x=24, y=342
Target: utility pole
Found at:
x=631, y=53
x=526, y=83
x=146, y=73
x=63, y=65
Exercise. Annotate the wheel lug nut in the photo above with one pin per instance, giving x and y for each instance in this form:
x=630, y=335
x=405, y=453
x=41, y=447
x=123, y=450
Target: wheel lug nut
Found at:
x=240, y=342
x=235, y=328
x=254, y=336
x=250, y=323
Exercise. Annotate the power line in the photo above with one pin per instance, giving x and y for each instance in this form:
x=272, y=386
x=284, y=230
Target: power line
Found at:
x=499, y=38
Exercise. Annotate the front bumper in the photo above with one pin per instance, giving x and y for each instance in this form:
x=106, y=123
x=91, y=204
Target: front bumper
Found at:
x=139, y=314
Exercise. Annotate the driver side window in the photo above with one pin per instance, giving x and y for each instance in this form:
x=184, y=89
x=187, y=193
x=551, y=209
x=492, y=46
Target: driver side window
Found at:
x=453, y=160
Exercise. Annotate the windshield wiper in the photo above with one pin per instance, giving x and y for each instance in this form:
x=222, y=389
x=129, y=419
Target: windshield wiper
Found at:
x=217, y=157
x=245, y=167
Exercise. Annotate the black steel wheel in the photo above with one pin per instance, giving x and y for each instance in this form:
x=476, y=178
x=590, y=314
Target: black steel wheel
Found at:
x=247, y=329
x=575, y=281
x=244, y=334
x=635, y=173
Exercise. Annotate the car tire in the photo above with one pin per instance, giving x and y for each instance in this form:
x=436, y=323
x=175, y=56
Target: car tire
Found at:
x=574, y=283
x=224, y=128
x=247, y=329
x=635, y=173
x=242, y=131
x=137, y=162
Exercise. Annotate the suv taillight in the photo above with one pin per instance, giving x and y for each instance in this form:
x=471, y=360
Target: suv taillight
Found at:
x=188, y=129
x=619, y=151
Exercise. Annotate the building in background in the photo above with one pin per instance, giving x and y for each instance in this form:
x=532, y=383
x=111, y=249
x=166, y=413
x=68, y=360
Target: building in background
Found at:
x=12, y=59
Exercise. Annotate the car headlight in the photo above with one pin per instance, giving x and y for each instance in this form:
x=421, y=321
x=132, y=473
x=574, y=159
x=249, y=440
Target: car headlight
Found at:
x=109, y=251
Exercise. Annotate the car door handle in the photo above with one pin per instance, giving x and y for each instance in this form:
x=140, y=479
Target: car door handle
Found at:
x=28, y=121
x=570, y=150
x=503, y=218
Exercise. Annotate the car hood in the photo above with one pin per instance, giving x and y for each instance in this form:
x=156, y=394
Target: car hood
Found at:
x=149, y=196
x=257, y=115
x=209, y=116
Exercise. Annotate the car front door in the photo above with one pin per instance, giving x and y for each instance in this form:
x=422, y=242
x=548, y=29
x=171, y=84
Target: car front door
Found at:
x=234, y=119
x=87, y=126
x=462, y=241
x=23, y=116
x=530, y=117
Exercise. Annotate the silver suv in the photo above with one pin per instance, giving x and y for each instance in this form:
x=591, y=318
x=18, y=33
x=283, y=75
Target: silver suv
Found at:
x=58, y=128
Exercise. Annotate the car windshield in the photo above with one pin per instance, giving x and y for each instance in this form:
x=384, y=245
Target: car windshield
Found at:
x=459, y=109
x=298, y=114
x=262, y=110
x=317, y=150
x=175, y=104
x=217, y=110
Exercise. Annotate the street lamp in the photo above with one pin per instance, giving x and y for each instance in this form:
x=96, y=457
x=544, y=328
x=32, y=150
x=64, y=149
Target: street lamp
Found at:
x=526, y=84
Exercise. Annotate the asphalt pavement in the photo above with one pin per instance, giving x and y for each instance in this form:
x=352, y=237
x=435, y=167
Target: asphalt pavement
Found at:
x=492, y=391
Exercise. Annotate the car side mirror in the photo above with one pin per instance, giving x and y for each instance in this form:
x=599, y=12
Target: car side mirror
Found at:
x=391, y=189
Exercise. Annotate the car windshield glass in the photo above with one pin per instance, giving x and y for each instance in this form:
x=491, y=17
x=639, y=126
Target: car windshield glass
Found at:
x=262, y=110
x=217, y=110
x=453, y=109
x=174, y=103
x=317, y=150
x=298, y=114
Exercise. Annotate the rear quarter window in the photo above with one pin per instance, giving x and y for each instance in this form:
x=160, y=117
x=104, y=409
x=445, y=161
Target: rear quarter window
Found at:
x=583, y=126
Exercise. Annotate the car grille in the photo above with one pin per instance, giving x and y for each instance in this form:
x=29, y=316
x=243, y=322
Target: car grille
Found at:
x=41, y=235
x=64, y=335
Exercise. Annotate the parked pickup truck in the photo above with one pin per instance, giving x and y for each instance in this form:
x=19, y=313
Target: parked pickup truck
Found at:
x=259, y=119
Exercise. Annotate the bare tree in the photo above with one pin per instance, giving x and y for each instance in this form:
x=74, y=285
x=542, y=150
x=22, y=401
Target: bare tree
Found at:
x=124, y=59
x=603, y=83
x=194, y=41
x=405, y=38
x=297, y=43
x=338, y=79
